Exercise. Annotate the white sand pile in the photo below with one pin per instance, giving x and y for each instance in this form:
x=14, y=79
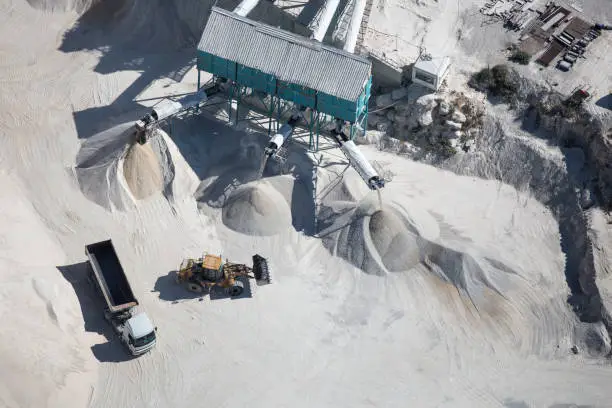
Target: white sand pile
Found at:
x=396, y=246
x=142, y=171
x=257, y=209
x=97, y=167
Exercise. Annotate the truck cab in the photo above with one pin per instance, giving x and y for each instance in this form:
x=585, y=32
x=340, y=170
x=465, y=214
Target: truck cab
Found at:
x=139, y=334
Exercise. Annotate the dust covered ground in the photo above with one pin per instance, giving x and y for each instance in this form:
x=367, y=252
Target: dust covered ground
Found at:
x=452, y=293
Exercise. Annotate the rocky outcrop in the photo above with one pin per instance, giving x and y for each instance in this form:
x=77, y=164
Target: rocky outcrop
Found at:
x=436, y=123
x=556, y=117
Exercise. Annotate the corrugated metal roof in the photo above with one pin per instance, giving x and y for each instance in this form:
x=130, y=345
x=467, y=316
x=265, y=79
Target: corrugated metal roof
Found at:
x=287, y=56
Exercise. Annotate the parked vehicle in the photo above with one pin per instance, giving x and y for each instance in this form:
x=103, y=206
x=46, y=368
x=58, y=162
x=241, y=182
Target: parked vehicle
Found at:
x=564, y=66
x=134, y=329
x=569, y=58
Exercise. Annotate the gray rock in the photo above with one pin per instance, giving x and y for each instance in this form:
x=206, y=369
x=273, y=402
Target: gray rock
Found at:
x=401, y=119
x=452, y=134
x=370, y=137
x=427, y=101
x=468, y=145
x=408, y=148
x=383, y=100
x=426, y=119
x=444, y=108
x=391, y=115
x=458, y=117
x=399, y=93
x=586, y=199
x=373, y=119
x=384, y=125
x=453, y=125
x=404, y=107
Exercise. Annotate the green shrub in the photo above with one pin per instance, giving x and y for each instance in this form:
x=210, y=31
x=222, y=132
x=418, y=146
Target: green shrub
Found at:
x=499, y=80
x=520, y=57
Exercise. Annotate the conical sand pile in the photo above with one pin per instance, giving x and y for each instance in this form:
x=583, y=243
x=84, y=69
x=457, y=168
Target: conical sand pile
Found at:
x=398, y=248
x=256, y=209
x=142, y=171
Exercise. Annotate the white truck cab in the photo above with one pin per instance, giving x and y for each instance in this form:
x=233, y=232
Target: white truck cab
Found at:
x=139, y=334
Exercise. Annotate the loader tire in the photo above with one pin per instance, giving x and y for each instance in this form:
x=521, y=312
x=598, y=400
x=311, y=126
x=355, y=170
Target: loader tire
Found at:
x=236, y=289
x=194, y=287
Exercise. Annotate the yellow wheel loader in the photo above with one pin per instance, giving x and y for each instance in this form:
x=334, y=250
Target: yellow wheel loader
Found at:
x=210, y=270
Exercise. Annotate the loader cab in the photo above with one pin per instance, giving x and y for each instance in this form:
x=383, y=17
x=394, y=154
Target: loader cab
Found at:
x=140, y=334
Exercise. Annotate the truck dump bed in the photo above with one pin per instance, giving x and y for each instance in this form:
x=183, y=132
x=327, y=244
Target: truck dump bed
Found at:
x=110, y=275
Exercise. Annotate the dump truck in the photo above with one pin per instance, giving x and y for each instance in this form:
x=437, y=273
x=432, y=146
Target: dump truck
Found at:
x=134, y=328
x=200, y=274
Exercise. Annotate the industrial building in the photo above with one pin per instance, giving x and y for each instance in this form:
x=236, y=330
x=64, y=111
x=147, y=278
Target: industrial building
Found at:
x=257, y=58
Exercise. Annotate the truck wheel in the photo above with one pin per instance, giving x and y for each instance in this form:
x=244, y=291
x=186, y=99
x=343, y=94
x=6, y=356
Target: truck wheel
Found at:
x=236, y=289
x=194, y=287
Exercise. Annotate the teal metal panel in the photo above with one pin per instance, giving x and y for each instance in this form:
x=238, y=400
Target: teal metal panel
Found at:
x=297, y=94
x=217, y=66
x=304, y=96
x=204, y=61
x=254, y=78
x=336, y=107
x=340, y=108
x=247, y=76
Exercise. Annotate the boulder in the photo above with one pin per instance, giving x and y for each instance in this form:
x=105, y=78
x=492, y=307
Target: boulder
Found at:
x=384, y=125
x=426, y=119
x=391, y=115
x=401, y=119
x=407, y=148
x=586, y=199
x=444, y=108
x=399, y=93
x=404, y=107
x=383, y=100
x=452, y=134
x=453, y=125
x=427, y=101
x=373, y=120
x=458, y=116
x=390, y=143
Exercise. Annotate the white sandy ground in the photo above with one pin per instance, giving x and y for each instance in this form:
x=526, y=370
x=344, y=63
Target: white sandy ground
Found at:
x=325, y=333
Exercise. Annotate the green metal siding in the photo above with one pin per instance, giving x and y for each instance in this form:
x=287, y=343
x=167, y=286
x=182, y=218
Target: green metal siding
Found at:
x=297, y=93
x=217, y=66
x=258, y=80
x=340, y=108
x=254, y=78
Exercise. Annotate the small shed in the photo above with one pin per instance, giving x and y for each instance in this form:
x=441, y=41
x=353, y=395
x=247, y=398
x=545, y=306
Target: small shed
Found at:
x=430, y=73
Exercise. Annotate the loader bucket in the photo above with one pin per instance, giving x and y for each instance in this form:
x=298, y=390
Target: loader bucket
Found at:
x=260, y=270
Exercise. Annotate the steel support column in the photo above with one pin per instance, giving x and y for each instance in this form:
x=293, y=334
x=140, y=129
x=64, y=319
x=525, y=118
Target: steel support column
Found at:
x=229, y=101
